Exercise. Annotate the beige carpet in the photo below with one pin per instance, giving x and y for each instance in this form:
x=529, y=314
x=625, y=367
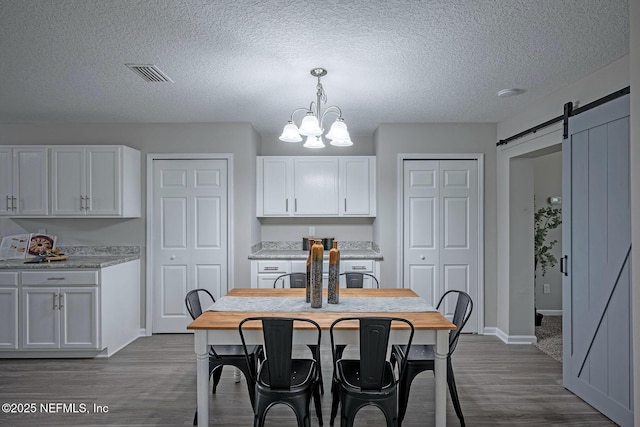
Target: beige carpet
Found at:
x=549, y=336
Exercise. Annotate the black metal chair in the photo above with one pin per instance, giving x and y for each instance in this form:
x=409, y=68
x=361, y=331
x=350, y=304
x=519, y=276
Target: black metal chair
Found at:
x=281, y=378
x=299, y=280
x=369, y=380
x=296, y=280
x=421, y=357
x=220, y=355
x=356, y=279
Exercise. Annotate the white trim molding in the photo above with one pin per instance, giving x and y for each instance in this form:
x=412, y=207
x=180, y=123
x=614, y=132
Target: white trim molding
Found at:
x=513, y=339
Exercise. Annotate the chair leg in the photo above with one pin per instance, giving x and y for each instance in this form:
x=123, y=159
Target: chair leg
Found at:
x=453, y=391
x=216, y=374
x=195, y=419
x=335, y=401
x=404, y=386
x=318, y=403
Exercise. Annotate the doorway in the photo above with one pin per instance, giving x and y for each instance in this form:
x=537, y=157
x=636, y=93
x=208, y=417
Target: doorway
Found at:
x=188, y=243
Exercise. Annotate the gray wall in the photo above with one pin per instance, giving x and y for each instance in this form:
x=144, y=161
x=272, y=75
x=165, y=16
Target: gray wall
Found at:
x=240, y=139
x=392, y=139
x=547, y=182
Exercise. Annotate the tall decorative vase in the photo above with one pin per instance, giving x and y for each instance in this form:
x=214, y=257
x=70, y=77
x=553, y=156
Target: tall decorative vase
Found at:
x=308, y=294
x=317, y=251
x=334, y=270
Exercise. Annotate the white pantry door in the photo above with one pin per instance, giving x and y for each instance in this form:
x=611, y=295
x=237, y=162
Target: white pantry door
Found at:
x=189, y=234
x=440, y=227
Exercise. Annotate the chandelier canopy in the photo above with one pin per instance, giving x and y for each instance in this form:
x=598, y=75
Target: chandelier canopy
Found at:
x=312, y=125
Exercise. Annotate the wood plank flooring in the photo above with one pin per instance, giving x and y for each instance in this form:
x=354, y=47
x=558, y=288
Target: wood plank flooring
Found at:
x=152, y=383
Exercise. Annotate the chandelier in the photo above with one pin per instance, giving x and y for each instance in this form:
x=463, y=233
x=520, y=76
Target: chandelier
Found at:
x=312, y=123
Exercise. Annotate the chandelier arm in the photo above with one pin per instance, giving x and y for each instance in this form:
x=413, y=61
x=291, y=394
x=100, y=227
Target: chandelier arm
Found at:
x=296, y=110
x=331, y=109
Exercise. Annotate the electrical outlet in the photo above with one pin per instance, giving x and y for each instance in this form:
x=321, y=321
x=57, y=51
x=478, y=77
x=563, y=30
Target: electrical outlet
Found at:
x=312, y=231
x=546, y=288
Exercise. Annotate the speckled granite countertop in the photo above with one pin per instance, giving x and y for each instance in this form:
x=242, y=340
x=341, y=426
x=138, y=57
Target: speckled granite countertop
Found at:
x=293, y=251
x=80, y=257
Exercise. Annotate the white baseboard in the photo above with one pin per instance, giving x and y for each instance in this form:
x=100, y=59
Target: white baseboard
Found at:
x=550, y=312
x=511, y=339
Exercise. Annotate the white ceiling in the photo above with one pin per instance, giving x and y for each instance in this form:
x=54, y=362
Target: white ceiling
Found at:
x=249, y=60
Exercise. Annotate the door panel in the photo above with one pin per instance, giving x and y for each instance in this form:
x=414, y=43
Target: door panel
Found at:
x=190, y=222
x=596, y=288
x=440, y=229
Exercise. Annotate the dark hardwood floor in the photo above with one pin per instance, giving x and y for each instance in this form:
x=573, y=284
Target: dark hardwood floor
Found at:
x=152, y=383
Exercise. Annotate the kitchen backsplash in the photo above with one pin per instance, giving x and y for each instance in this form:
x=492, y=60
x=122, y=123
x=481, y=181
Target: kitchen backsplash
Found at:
x=297, y=245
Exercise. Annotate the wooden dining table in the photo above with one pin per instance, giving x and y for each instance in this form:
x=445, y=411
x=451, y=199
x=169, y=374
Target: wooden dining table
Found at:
x=219, y=325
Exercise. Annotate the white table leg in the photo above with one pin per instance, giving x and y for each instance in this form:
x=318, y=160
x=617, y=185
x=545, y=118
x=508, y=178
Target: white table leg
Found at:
x=442, y=349
x=202, y=376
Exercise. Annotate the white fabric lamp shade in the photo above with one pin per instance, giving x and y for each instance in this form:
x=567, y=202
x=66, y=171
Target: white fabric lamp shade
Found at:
x=314, y=142
x=290, y=133
x=310, y=125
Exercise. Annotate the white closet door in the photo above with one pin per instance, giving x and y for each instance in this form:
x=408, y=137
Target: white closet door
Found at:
x=440, y=230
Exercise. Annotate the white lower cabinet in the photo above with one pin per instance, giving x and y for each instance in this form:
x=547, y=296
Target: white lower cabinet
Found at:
x=69, y=313
x=264, y=273
x=9, y=310
x=60, y=317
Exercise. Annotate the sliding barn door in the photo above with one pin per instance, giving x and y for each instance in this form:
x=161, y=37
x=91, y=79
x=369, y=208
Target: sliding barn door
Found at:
x=597, y=360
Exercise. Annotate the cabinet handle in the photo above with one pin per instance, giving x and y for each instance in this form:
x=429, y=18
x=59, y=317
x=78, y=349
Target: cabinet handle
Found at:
x=286, y=207
x=81, y=202
x=14, y=206
x=55, y=307
x=271, y=268
x=9, y=208
x=345, y=205
x=87, y=203
x=358, y=267
x=56, y=278
x=60, y=300
x=564, y=265
x=295, y=205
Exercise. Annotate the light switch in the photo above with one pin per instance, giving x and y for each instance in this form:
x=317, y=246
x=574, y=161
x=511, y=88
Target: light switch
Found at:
x=312, y=231
x=546, y=288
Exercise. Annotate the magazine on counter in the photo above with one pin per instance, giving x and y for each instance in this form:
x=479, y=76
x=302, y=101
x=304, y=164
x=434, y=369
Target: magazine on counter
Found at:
x=22, y=246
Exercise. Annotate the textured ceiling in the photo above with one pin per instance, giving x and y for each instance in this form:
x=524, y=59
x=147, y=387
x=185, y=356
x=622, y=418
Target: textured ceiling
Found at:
x=249, y=61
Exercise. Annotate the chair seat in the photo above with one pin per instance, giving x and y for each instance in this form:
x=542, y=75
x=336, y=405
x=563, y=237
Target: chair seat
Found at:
x=348, y=372
x=423, y=353
x=302, y=371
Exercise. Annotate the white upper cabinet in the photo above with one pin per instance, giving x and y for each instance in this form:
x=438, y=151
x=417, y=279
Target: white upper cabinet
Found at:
x=100, y=180
x=24, y=181
x=323, y=186
x=315, y=186
x=357, y=186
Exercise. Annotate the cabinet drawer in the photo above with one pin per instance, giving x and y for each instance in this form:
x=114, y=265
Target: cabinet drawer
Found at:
x=363, y=266
x=60, y=277
x=9, y=278
x=273, y=267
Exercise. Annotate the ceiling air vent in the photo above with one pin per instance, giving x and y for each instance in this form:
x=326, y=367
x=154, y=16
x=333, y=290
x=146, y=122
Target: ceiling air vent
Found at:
x=149, y=72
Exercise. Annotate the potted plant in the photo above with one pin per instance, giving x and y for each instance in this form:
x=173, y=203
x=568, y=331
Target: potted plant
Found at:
x=544, y=219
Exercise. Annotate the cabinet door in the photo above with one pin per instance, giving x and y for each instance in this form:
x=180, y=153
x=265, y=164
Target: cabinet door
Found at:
x=357, y=189
x=267, y=280
x=6, y=181
x=104, y=181
x=40, y=318
x=68, y=180
x=274, y=187
x=31, y=181
x=79, y=317
x=315, y=182
x=9, y=318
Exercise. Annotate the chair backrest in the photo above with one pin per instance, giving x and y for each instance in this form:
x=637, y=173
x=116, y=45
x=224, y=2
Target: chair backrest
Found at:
x=461, y=314
x=192, y=301
x=296, y=280
x=356, y=280
x=278, y=342
x=374, y=341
